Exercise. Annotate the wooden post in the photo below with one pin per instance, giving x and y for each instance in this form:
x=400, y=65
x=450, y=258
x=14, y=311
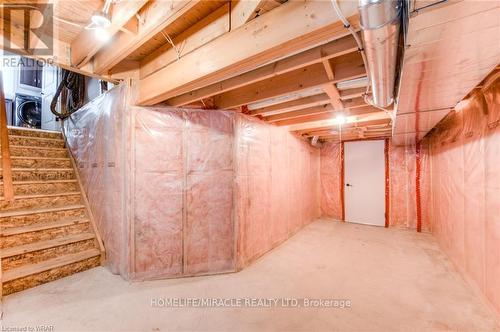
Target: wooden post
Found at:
x=8, y=190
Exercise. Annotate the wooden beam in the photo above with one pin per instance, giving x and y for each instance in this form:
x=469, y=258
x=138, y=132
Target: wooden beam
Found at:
x=243, y=11
x=367, y=119
x=85, y=45
x=157, y=15
x=328, y=69
x=293, y=26
x=295, y=81
x=381, y=124
x=334, y=95
x=203, y=32
x=330, y=50
x=292, y=105
x=325, y=115
x=306, y=112
x=353, y=103
x=352, y=93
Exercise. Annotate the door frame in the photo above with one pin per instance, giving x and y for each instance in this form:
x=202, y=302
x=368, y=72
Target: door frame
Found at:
x=387, y=177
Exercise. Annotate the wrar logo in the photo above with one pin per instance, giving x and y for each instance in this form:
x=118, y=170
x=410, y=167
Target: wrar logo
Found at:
x=27, y=28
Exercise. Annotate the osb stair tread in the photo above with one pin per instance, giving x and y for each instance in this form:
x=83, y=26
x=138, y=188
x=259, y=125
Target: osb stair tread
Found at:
x=41, y=181
x=34, y=130
x=49, y=264
x=39, y=158
x=17, y=213
x=20, y=197
x=40, y=245
x=44, y=226
x=37, y=137
x=36, y=147
x=25, y=169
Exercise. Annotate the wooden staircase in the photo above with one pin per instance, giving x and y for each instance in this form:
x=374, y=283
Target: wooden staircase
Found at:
x=47, y=231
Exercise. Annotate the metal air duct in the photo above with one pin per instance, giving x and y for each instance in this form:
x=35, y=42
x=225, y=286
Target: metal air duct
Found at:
x=380, y=23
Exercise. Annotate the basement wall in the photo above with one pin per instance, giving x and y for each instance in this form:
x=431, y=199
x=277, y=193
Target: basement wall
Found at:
x=189, y=192
x=402, y=185
x=464, y=179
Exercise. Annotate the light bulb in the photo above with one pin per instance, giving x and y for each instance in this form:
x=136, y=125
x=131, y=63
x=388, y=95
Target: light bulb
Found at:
x=340, y=119
x=102, y=34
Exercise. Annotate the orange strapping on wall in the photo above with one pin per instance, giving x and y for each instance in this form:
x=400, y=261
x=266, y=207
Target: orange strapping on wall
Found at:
x=387, y=182
x=417, y=187
x=342, y=183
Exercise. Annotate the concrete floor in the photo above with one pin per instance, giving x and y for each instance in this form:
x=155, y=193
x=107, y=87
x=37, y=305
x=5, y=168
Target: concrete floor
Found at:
x=396, y=280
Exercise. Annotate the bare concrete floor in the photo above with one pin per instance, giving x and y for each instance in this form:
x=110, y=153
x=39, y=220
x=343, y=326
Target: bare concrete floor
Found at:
x=396, y=280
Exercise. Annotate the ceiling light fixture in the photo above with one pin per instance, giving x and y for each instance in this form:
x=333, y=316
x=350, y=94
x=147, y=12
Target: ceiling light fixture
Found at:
x=102, y=34
x=340, y=119
x=102, y=19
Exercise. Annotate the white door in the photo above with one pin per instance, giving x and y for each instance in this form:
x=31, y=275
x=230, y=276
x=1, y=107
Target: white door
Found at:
x=49, y=87
x=364, y=180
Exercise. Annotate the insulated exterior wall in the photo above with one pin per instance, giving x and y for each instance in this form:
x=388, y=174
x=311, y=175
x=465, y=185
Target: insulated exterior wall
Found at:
x=277, y=186
x=402, y=185
x=189, y=192
x=96, y=139
x=331, y=163
x=464, y=178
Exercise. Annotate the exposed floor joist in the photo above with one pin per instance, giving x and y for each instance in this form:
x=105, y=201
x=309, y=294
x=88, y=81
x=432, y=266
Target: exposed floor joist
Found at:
x=314, y=23
x=330, y=50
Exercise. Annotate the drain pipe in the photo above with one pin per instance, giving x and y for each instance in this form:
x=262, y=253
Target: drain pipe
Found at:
x=380, y=24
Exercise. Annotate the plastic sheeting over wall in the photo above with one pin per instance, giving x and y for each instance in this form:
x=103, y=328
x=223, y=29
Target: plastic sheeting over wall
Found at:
x=464, y=181
x=331, y=163
x=189, y=192
x=277, y=179
x=402, y=185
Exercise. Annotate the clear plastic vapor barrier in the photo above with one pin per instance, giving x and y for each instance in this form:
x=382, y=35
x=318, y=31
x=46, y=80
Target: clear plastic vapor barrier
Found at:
x=463, y=161
x=179, y=192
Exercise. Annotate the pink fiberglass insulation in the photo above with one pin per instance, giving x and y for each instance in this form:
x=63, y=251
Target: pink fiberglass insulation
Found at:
x=464, y=178
x=402, y=184
x=190, y=192
x=402, y=177
x=277, y=190
x=96, y=139
x=331, y=205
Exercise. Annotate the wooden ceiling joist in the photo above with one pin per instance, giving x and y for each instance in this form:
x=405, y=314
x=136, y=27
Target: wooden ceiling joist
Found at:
x=330, y=50
x=85, y=45
x=294, y=81
x=352, y=93
x=265, y=41
x=155, y=16
x=373, y=118
x=300, y=114
x=334, y=95
x=292, y=105
x=243, y=11
x=316, y=115
x=204, y=31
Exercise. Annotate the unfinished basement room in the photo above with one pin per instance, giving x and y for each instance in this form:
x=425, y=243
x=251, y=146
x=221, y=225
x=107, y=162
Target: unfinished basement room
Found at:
x=250, y=165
